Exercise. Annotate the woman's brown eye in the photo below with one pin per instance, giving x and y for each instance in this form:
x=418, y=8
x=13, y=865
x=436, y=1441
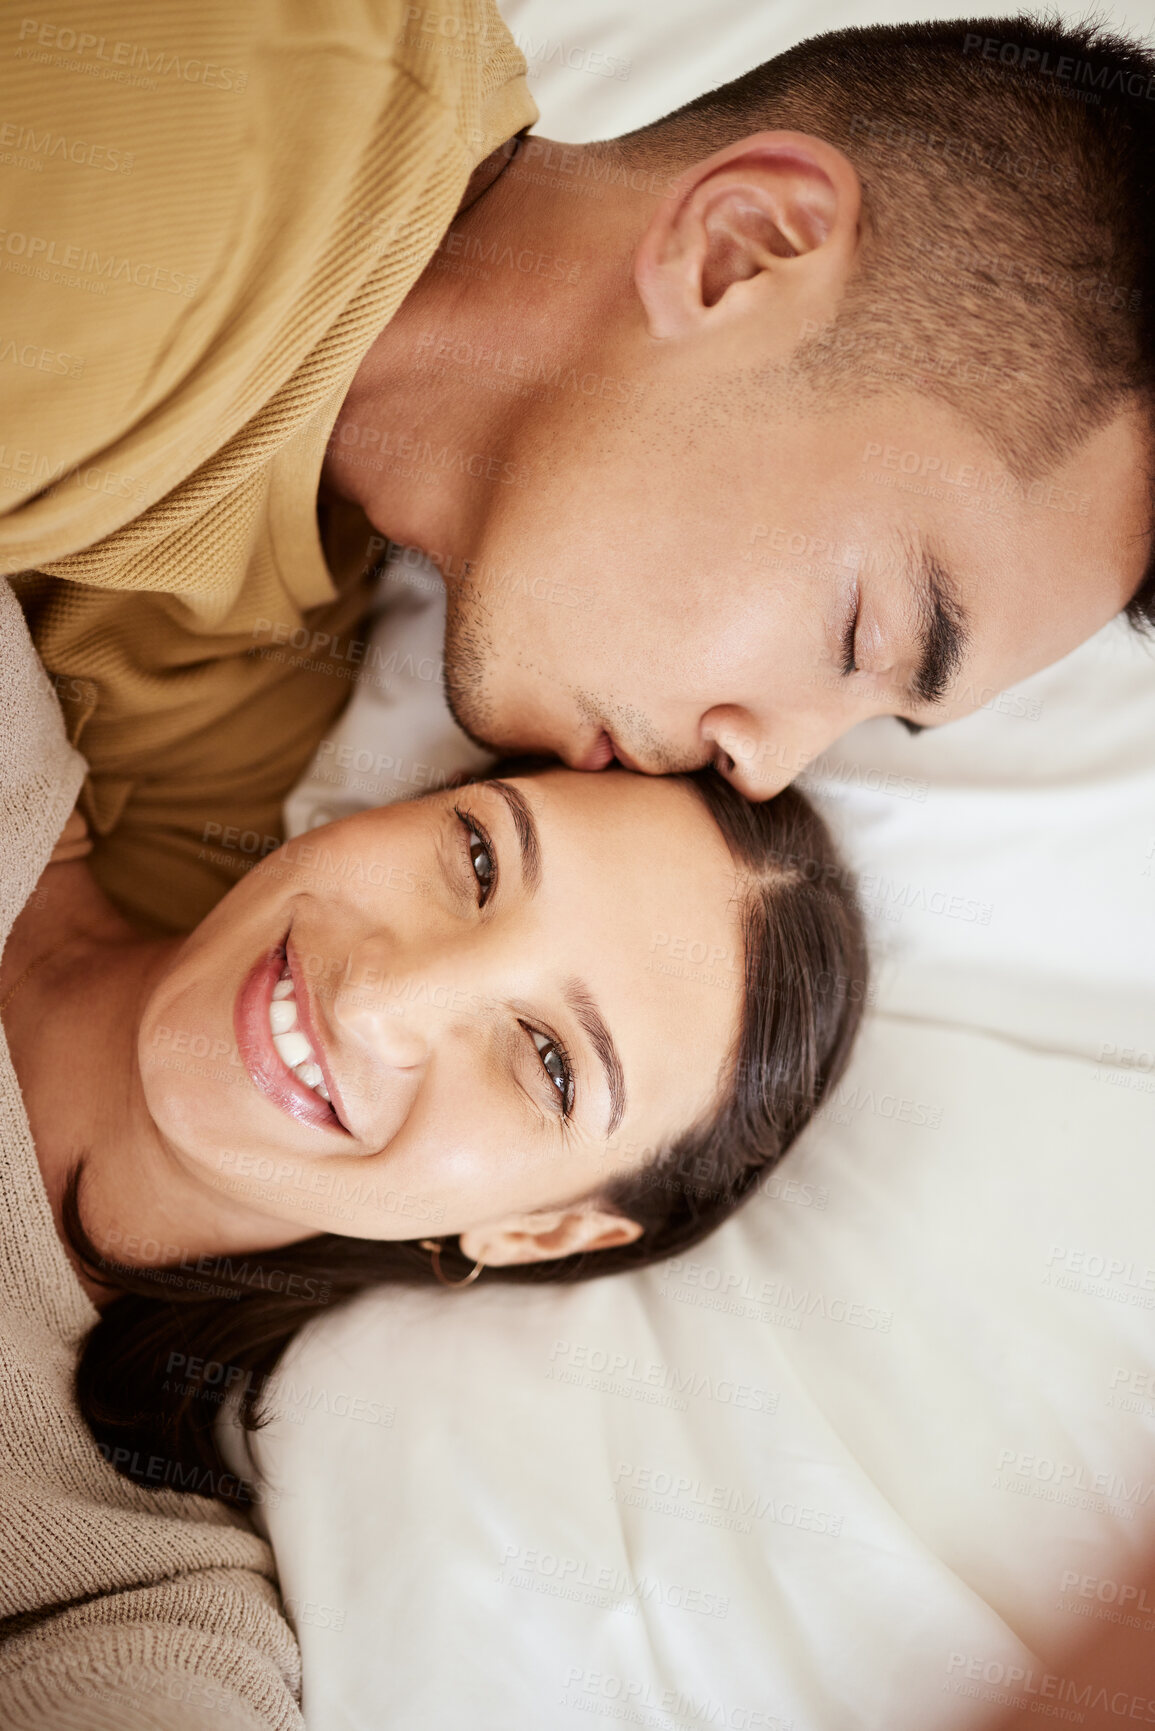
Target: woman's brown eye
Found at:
x=554, y=1063
x=479, y=856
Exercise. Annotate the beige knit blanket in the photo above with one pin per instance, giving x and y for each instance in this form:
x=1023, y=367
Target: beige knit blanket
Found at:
x=121, y=1609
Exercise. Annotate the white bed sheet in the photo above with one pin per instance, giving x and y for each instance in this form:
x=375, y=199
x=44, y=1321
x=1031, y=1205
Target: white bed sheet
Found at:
x=795, y=1478
x=891, y=1422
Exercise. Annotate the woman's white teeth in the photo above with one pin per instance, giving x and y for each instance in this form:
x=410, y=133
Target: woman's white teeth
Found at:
x=313, y=1077
x=292, y=1047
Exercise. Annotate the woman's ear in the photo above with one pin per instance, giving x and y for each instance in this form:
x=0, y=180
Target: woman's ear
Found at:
x=773, y=200
x=548, y=1234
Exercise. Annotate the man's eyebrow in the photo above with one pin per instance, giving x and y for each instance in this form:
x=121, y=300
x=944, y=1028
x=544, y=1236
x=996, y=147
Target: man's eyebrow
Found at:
x=943, y=633
x=581, y=1002
x=527, y=836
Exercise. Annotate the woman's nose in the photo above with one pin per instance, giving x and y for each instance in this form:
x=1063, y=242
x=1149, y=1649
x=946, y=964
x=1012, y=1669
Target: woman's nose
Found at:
x=389, y=1048
x=381, y=1022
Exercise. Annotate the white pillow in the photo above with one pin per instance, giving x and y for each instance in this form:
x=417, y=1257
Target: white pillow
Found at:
x=1007, y=861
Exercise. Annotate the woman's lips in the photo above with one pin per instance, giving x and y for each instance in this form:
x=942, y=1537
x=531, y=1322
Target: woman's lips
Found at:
x=267, y=1069
x=308, y=1023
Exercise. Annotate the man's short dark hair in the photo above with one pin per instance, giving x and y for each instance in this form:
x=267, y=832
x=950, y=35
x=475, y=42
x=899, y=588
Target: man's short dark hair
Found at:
x=1007, y=263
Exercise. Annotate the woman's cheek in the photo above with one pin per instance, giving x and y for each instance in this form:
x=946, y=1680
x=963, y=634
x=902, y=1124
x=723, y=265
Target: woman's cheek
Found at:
x=454, y=1159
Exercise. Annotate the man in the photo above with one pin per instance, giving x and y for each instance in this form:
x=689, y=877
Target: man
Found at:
x=827, y=397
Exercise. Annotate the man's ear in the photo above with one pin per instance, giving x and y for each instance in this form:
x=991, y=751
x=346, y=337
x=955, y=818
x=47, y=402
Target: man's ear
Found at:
x=777, y=211
x=550, y=1233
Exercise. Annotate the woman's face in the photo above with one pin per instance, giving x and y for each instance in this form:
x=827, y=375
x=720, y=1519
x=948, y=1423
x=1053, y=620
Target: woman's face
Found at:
x=457, y=1014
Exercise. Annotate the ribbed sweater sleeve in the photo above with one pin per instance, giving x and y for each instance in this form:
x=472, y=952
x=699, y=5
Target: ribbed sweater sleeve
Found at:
x=211, y=211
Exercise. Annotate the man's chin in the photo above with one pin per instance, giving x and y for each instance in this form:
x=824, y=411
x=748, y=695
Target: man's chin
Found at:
x=509, y=757
x=466, y=658
x=468, y=663
x=463, y=716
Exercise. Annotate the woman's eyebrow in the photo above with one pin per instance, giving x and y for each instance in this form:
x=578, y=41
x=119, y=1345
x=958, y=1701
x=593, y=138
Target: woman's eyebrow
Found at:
x=527, y=836
x=581, y=1002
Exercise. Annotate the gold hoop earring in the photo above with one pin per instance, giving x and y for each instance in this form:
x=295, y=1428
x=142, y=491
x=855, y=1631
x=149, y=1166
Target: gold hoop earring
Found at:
x=433, y=1245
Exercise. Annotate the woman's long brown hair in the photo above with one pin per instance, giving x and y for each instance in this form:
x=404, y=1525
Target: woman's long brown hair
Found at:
x=155, y=1368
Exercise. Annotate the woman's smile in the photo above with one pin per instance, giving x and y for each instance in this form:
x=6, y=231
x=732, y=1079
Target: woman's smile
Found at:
x=278, y=1042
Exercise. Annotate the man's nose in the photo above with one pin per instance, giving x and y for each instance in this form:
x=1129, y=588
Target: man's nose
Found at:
x=759, y=757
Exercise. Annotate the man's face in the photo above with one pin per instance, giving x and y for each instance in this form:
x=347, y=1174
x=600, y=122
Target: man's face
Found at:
x=683, y=589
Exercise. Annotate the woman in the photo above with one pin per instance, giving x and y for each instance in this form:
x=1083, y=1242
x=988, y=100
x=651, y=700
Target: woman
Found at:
x=428, y=1039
